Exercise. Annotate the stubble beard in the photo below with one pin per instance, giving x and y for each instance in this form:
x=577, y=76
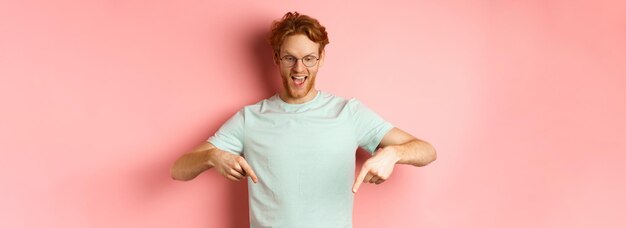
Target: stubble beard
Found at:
x=293, y=93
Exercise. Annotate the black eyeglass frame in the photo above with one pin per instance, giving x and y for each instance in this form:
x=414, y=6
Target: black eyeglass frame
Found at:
x=300, y=59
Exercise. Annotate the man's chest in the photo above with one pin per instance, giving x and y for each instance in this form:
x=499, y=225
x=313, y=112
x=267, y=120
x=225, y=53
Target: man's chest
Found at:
x=300, y=140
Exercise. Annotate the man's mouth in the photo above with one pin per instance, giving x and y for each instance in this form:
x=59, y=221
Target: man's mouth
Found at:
x=299, y=80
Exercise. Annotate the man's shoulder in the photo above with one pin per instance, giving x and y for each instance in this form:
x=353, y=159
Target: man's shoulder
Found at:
x=338, y=99
x=333, y=97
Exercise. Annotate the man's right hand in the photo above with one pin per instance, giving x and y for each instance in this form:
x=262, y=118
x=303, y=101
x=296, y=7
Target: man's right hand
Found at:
x=231, y=166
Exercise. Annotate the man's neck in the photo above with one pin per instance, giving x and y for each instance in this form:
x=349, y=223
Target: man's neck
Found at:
x=310, y=96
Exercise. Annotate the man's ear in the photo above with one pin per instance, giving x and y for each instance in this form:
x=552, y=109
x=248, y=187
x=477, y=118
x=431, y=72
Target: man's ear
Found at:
x=322, y=55
x=276, y=59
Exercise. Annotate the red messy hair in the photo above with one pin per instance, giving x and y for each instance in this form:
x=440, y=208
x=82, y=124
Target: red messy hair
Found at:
x=293, y=24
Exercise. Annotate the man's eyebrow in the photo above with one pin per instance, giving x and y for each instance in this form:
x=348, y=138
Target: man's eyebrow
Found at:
x=312, y=53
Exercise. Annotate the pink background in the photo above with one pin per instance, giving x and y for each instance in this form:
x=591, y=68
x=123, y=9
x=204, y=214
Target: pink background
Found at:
x=524, y=101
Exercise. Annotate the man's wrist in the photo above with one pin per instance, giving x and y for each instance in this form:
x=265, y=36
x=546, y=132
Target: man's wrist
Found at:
x=208, y=156
x=396, y=152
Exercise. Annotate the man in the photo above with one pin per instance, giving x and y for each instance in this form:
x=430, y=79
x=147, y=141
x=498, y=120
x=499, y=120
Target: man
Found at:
x=298, y=146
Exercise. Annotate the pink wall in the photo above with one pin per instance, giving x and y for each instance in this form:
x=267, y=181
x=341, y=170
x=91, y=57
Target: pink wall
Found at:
x=525, y=103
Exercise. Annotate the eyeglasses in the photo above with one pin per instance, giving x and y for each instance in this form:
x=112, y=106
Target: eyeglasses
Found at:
x=308, y=61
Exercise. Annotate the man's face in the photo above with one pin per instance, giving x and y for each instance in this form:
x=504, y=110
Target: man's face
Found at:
x=298, y=80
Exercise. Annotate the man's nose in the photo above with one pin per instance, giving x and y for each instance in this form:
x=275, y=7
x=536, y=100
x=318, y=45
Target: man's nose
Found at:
x=299, y=66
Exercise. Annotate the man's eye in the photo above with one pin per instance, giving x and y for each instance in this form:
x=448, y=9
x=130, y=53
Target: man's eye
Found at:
x=289, y=58
x=309, y=58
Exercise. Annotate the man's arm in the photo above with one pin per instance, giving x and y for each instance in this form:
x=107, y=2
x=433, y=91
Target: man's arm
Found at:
x=206, y=156
x=190, y=165
x=399, y=147
x=409, y=149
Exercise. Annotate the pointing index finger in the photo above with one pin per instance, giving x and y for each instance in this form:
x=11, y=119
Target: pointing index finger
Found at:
x=248, y=170
x=359, y=180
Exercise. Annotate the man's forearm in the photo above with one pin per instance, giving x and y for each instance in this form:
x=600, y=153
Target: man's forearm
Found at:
x=415, y=152
x=190, y=165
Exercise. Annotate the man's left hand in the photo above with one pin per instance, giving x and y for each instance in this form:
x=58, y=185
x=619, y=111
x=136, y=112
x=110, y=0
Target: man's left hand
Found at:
x=378, y=168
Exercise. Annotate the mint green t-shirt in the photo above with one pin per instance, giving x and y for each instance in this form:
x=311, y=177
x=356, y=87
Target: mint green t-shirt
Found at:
x=304, y=157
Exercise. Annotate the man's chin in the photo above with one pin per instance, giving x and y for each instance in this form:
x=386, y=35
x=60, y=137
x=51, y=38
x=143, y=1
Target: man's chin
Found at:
x=299, y=93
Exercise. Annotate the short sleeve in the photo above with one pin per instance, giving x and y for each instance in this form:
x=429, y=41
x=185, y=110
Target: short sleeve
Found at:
x=370, y=128
x=229, y=137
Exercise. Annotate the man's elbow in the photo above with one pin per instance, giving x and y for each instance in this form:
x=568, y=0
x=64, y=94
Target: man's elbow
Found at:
x=179, y=176
x=431, y=156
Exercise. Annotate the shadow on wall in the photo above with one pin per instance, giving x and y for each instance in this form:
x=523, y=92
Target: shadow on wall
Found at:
x=239, y=213
x=261, y=58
